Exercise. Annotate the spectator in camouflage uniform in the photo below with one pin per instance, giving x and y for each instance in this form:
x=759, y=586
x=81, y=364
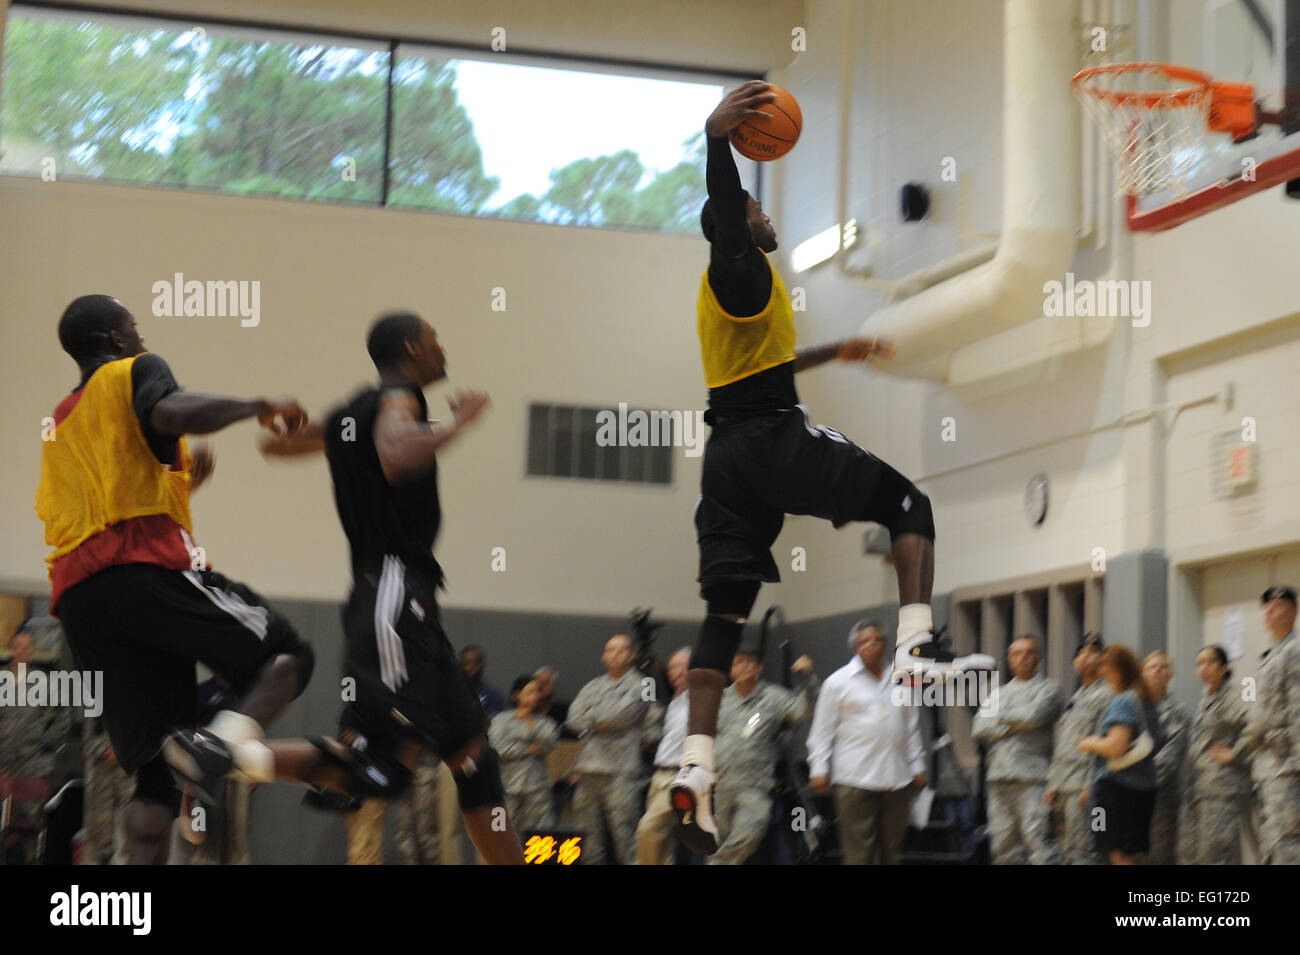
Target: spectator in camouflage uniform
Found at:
x=1070, y=771
x=609, y=714
x=108, y=790
x=1018, y=731
x=523, y=738
x=416, y=816
x=1170, y=760
x=1273, y=734
x=29, y=738
x=29, y=735
x=751, y=718
x=1217, y=794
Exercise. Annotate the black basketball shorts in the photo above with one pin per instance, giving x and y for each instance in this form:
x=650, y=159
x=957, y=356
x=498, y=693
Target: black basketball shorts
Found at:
x=758, y=470
x=409, y=683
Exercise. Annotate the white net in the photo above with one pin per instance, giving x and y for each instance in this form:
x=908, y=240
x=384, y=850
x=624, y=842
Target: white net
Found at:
x=1157, y=138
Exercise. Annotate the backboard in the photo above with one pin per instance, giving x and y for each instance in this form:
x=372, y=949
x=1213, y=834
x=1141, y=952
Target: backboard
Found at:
x=1252, y=41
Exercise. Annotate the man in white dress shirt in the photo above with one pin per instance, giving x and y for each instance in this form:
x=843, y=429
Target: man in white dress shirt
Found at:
x=868, y=750
x=654, y=833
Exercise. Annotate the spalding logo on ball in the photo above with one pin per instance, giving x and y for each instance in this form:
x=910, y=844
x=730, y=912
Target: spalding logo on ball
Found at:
x=764, y=139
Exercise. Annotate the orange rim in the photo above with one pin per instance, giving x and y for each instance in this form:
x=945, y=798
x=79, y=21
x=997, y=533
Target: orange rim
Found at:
x=1201, y=83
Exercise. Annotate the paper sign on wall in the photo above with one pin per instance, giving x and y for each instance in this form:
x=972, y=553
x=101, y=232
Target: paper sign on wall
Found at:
x=1234, y=632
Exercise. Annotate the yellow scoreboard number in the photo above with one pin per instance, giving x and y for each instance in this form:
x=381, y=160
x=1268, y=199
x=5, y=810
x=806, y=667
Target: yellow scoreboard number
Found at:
x=542, y=849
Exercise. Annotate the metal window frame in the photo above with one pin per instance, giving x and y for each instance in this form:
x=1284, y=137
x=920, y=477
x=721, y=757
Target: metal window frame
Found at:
x=531, y=56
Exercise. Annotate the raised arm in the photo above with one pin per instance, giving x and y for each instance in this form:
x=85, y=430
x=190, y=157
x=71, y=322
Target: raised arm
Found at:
x=729, y=201
x=407, y=446
x=797, y=706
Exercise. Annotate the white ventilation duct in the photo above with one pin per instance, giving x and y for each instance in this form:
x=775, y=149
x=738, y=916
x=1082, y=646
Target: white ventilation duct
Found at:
x=1040, y=203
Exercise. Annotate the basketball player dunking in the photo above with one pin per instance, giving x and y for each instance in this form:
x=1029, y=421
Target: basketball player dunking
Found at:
x=411, y=693
x=765, y=459
x=135, y=596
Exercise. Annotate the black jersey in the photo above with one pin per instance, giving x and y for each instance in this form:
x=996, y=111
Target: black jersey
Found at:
x=379, y=518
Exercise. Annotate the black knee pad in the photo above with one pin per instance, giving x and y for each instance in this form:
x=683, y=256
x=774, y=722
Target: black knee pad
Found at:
x=154, y=783
x=915, y=516
x=369, y=774
x=733, y=598
x=719, y=638
x=478, y=781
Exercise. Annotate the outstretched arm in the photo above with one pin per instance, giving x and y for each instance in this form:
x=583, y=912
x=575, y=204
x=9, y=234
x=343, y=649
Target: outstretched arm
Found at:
x=850, y=349
x=408, y=446
x=308, y=440
x=188, y=412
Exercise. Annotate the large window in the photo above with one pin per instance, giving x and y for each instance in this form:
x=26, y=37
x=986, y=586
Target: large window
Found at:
x=297, y=115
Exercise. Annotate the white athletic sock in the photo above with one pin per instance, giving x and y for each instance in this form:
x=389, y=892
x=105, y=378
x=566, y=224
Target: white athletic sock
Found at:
x=912, y=619
x=233, y=728
x=254, y=760
x=697, y=750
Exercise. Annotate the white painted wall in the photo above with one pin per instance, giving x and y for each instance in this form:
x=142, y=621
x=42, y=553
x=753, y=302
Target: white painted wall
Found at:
x=592, y=317
x=927, y=84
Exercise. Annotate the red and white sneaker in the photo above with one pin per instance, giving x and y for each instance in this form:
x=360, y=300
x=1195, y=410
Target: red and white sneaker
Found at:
x=691, y=795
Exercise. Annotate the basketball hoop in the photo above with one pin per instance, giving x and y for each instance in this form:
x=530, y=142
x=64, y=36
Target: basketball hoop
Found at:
x=1159, y=135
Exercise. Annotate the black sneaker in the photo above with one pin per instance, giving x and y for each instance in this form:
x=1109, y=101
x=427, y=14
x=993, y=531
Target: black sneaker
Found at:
x=199, y=761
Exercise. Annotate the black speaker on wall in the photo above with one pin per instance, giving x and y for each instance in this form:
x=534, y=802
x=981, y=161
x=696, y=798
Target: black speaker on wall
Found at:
x=914, y=202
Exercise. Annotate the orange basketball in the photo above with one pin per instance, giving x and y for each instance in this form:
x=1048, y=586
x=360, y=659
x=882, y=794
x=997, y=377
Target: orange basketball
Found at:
x=764, y=139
